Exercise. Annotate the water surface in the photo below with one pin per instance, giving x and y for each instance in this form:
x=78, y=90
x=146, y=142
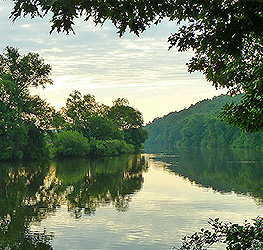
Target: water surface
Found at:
x=131, y=202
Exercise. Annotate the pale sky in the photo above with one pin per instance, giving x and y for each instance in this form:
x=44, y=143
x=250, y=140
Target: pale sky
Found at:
x=98, y=62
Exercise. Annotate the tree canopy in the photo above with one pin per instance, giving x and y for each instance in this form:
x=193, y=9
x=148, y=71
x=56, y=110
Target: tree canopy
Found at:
x=23, y=117
x=225, y=35
x=26, y=70
x=101, y=122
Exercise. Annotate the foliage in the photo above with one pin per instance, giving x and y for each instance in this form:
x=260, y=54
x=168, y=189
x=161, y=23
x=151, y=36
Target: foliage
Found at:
x=225, y=36
x=136, y=137
x=24, y=118
x=71, y=143
x=85, y=115
x=125, y=116
x=199, y=126
x=135, y=15
x=130, y=121
x=27, y=121
x=102, y=123
x=235, y=236
x=74, y=144
x=246, y=115
x=26, y=70
x=227, y=44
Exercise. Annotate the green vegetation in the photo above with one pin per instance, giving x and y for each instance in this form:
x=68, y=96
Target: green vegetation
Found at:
x=234, y=236
x=225, y=36
x=198, y=126
x=31, y=129
x=24, y=118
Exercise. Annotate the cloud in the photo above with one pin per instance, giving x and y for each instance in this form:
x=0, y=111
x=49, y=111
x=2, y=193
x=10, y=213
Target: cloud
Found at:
x=97, y=61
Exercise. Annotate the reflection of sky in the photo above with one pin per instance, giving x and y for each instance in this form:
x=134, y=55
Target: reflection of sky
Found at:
x=98, y=62
x=167, y=208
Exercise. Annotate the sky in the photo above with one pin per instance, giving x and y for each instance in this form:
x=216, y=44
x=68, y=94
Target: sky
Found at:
x=96, y=61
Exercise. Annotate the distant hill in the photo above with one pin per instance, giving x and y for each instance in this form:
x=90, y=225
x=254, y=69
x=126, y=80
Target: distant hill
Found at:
x=198, y=126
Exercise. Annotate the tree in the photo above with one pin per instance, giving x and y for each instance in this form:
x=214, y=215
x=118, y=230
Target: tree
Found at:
x=26, y=70
x=130, y=121
x=225, y=35
x=85, y=115
x=135, y=15
x=78, y=109
x=24, y=118
x=124, y=115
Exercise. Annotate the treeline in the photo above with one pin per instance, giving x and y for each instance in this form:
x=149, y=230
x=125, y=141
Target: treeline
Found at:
x=31, y=129
x=199, y=126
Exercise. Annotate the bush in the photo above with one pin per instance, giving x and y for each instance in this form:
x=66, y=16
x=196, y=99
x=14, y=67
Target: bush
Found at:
x=74, y=144
x=109, y=147
x=97, y=148
x=71, y=143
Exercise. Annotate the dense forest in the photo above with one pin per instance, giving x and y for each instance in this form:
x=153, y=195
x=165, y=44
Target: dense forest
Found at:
x=197, y=126
x=32, y=129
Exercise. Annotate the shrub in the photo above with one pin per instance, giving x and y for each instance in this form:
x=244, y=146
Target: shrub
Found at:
x=71, y=143
x=109, y=147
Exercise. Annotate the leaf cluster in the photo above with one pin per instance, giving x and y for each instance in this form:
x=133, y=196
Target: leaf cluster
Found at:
x=133, y=14
x=235, y=236
x=26, y=70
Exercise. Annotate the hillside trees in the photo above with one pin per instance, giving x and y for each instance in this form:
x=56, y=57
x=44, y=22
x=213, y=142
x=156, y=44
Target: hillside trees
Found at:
x=199, y=126
x=225, y=36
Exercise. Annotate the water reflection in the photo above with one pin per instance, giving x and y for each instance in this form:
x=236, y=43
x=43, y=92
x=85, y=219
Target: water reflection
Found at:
x=225, y=170
x=32, y=191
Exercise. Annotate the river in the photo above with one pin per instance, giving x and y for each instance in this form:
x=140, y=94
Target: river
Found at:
x=147, y=201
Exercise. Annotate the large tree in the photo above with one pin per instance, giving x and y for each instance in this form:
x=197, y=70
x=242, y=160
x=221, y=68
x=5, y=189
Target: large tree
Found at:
x=26, y=70
x=85, y=115
x=130, y=121
x=23, y=117
x=225, y=35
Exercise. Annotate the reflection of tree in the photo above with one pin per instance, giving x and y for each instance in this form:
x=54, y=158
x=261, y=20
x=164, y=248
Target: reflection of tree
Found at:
x=98, y=185
x=30, y=192
x=21, y=197
x=224, y=170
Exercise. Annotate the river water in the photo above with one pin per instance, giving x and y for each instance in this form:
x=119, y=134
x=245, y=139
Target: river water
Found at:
x=147, y=201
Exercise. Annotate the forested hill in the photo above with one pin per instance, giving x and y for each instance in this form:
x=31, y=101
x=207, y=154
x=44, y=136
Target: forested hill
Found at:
x=197, y=126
